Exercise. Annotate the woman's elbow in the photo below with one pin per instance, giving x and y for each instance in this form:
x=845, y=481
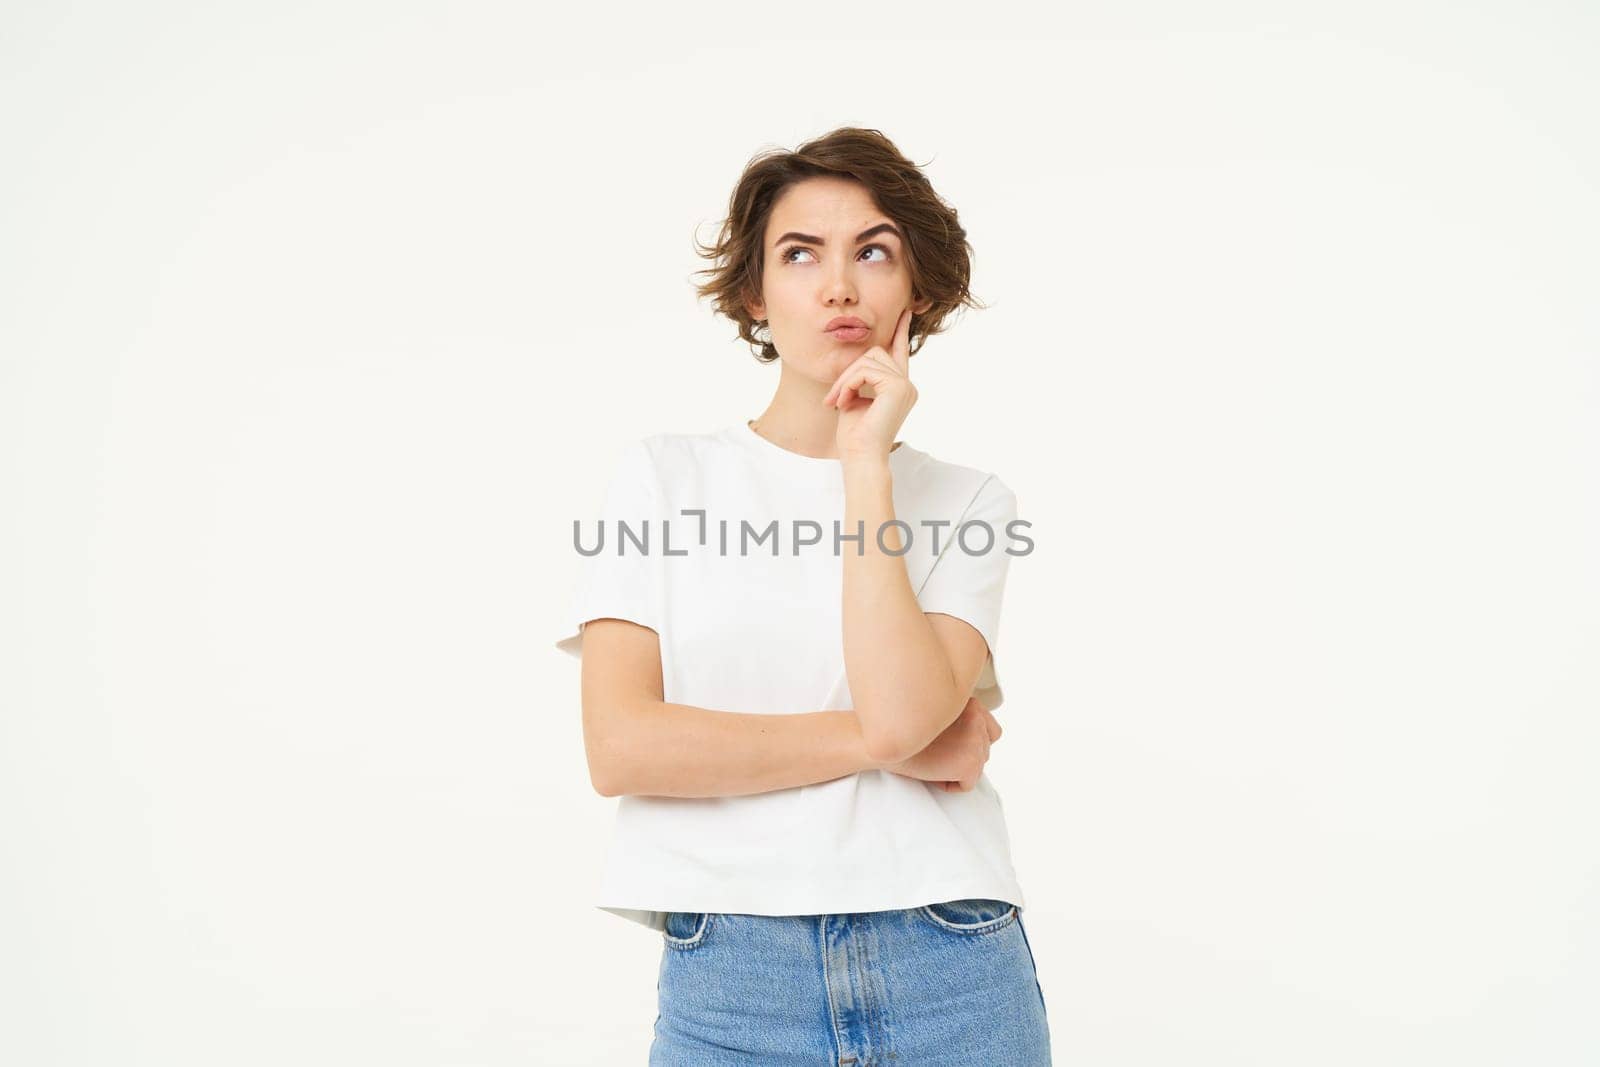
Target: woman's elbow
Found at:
x=604, y=790
x=887, y=742
x=603, y=750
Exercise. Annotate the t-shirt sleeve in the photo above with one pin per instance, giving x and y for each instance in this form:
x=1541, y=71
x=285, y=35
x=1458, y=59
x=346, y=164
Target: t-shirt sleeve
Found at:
x=621, y=580
x=969, y=583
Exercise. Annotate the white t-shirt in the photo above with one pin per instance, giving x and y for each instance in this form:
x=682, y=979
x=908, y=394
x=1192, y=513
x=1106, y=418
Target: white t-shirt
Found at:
x=756, y=632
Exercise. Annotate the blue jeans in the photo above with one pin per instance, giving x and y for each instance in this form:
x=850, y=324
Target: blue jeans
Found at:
x=948, y=983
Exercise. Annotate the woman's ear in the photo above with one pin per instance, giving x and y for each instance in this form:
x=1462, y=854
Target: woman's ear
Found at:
x=921, y=307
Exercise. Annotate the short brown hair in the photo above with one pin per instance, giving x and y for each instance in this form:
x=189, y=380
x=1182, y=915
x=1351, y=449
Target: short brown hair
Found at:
x=937, y=252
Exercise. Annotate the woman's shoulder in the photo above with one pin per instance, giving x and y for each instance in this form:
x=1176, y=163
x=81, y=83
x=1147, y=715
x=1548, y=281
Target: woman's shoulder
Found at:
x=977, y=481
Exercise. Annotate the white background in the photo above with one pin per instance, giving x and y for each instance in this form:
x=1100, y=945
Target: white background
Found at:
x=321, y=322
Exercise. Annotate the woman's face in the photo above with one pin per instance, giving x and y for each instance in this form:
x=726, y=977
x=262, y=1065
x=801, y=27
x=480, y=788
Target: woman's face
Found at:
x=825, y=255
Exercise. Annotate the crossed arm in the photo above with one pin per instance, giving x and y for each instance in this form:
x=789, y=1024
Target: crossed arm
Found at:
x=636, y=742
x=910, y=674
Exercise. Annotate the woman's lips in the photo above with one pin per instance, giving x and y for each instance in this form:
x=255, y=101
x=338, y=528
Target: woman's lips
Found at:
x=849, y=334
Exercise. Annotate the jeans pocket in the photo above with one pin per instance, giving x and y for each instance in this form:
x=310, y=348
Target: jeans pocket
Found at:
x=686, y=929
x=972, y=915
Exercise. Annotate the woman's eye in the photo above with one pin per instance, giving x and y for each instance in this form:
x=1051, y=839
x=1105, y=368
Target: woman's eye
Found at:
x=787, y=252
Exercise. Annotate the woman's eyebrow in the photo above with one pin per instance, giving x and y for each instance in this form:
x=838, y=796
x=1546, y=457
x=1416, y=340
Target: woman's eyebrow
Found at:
x=807, y=239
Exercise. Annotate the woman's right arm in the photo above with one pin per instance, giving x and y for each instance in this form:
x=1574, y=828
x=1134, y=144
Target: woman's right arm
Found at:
x=638, y=743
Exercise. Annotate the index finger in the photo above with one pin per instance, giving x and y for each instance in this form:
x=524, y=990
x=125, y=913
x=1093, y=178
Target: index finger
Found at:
x=901, y=348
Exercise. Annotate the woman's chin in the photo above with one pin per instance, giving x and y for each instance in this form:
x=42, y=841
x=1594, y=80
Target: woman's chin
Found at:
x=826, y=365
x=835, y=358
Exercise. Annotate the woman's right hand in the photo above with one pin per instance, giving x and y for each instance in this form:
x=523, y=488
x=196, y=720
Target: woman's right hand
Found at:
x=955, y=758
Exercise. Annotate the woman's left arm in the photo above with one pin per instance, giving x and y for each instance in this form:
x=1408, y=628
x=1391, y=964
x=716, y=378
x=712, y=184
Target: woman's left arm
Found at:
x=910, y=673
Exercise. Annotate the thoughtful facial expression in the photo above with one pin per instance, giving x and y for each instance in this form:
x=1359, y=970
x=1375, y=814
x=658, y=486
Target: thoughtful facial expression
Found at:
x=829, y=253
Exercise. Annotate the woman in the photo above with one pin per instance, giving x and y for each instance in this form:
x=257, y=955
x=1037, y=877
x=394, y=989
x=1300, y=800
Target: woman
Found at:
x=791, y=691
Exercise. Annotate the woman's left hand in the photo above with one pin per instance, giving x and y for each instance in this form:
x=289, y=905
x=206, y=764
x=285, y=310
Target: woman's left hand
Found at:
x=867, y=425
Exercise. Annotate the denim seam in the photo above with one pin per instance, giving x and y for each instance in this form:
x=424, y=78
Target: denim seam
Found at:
x=827, y=987
x=1035, y=964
